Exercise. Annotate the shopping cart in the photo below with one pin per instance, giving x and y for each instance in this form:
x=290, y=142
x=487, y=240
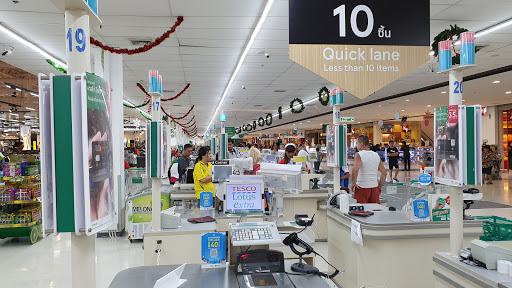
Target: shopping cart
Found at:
x=401, y=195
x=135, y=180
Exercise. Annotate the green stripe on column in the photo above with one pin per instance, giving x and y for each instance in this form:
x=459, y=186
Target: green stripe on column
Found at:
x=341, y=145
x=470, y=148
x=154, y=145
x=63, y=154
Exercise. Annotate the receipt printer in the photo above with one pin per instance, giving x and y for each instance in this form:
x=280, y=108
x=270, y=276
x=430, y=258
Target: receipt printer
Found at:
x=490, y=252
x=170, y=219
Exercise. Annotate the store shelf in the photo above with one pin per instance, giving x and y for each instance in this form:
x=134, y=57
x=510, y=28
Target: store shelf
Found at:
x=20, y=201
x=18, y=225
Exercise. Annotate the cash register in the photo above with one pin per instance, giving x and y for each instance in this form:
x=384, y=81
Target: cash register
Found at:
x=247, y=198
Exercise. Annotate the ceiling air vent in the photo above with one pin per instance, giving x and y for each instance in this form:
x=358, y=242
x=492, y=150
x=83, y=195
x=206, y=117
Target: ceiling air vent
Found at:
x=168, y=91
x=279, y=91
x=258, y=105
x=140, y=42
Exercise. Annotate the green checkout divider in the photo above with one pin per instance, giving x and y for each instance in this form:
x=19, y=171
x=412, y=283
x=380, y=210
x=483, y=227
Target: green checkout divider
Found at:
x=470, y=148
x=154, y=145
x=63, y=154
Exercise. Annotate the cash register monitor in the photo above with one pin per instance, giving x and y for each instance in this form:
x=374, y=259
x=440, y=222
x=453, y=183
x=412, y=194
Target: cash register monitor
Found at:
x=244, y=197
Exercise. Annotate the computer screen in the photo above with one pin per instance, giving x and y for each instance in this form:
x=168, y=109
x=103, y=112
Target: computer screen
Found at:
x=244, y=197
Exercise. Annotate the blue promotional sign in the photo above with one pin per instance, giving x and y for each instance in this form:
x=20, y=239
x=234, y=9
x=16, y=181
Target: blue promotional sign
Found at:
x=213, y=250
x=421, y=210
x=206, y=199
x=93, y=4
x=425, y=179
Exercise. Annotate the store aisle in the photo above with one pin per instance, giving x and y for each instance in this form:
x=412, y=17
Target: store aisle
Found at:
x=48, y=262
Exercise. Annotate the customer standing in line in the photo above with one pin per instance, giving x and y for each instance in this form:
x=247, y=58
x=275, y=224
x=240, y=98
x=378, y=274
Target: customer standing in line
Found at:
x=407, y=156
x=184, y=163
x=203, y=180
x=393, y=160
x=487, y=163
x=364, y=174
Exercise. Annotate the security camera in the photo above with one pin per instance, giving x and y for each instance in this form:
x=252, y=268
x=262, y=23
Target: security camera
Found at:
x=232, y=102
x=7, y=50
x=267, y=55
x=243, y=87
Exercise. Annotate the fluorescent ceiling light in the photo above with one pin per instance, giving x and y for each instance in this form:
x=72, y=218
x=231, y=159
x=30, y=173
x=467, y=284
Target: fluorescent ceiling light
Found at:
x=407, y=100
x=444, y=92
x=493, y=28
x=508, y=92
x=32, y=46
x=429, y=105
x=242, y=58
x=8, y=86
x=18, y=89
x=14, y=114
x=496, y=82
x=403, y=110
x=30, y=108
x=34, y=94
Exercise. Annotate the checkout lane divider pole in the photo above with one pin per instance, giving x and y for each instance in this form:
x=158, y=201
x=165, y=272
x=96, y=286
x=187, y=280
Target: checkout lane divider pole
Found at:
x=456, y=202
x=336, y=170
x=156, y=182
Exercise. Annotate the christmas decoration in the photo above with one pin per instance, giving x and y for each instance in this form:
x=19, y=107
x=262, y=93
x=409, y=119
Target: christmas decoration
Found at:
x=301, y=106
x=142, y=49
x=323, y=96
x=449, y=34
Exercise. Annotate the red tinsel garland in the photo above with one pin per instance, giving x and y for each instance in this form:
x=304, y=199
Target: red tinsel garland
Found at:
x=179, y=94
x=178, y=118
x=142, y=49
x=194, y=117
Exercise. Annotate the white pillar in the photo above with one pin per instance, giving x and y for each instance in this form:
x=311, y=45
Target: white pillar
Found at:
x=456, y=202
x=114, y=73
x=83, y=250
x=156, y=181
x=336, y=170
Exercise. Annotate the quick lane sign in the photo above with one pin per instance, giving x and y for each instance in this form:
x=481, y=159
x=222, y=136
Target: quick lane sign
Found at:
x=360, y=45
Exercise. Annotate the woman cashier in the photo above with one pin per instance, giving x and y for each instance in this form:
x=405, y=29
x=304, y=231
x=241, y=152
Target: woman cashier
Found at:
x=289, y=152
x=203, y=180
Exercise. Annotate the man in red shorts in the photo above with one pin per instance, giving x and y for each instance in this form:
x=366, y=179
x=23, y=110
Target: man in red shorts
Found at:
x=364, y=174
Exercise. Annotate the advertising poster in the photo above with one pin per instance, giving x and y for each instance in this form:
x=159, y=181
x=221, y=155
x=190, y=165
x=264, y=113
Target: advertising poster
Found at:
x=447, y=141
x=331, y=145
x=26, y=136
x=213, y=250
x=440, y=204
x=206, y=200
x=98, y=171
x=141, y=208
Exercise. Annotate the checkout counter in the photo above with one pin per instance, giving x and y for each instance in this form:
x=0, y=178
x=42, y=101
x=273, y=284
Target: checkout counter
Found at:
x=396, y=252
x=146, y=276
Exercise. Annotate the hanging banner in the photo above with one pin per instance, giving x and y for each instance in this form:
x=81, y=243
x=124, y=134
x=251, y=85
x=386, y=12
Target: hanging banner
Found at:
x=359, y=45
x=97, y=143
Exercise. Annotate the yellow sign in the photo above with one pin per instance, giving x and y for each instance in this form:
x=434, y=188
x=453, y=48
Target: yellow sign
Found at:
x=299, y=159
x=360, y=70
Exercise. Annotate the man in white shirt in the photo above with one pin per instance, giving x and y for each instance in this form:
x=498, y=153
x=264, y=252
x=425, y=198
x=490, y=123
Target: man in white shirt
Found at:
x=364, y=174
x=231, y=151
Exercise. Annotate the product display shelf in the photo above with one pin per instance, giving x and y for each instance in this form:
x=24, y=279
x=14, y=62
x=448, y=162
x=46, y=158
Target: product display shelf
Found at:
x=35, y=200
x=22, y=218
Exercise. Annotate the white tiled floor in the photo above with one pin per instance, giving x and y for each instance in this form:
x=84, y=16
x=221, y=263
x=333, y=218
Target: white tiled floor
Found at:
x=47, y=263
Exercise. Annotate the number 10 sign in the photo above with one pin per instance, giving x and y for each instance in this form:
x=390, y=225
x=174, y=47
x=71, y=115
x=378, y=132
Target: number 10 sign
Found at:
x=360, y=45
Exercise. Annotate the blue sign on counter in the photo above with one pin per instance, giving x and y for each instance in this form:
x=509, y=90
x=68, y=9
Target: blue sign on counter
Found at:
x=206, y=199
x=425, y=179
x=213, y=250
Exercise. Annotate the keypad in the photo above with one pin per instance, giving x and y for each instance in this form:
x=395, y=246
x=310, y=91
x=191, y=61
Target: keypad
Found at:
x=245, y=234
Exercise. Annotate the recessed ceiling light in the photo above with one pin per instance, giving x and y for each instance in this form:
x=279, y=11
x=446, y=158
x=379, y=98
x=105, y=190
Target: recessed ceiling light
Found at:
x=403, y=110
x=508, y=92
x=429, y=105
x=309, y=121
x=358, y=122
x=496, y=82
x=407, y=100
x=300, y=123
x=463, y=100
x=444, y=92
